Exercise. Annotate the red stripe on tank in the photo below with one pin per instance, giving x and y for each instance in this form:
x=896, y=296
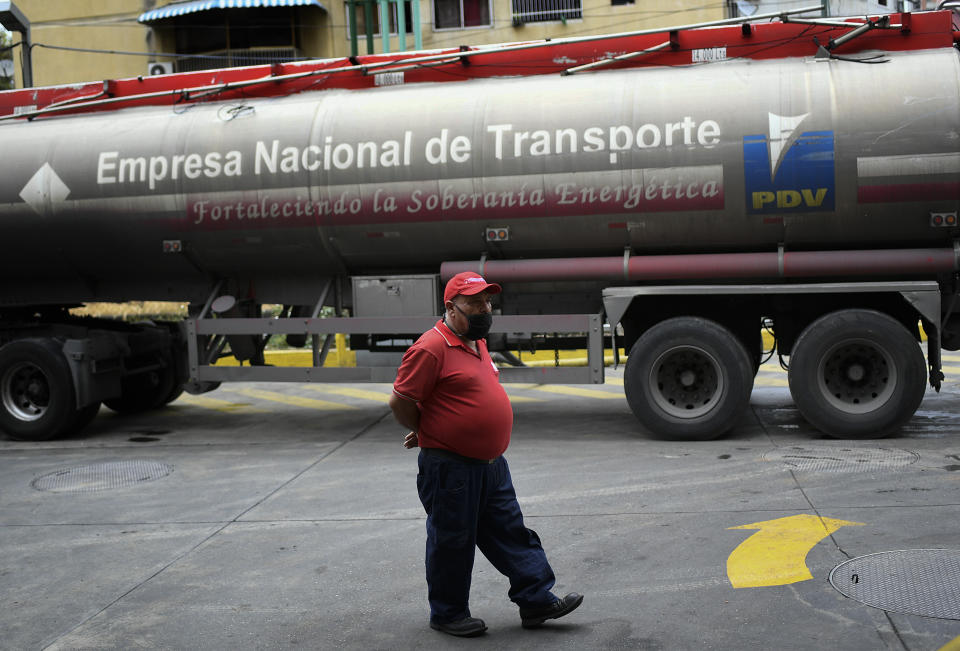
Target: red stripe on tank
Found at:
x=908, y=192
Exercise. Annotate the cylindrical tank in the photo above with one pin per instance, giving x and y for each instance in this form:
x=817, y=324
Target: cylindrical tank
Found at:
x=740, y=155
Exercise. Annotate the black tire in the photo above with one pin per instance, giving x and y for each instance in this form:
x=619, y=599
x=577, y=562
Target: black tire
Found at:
x=84, y=416
x=752, y=341
x=688, y=379
x=199, y=388
x=857, y=374
x=758, y=352
x=175, y=393
x=37, y=398
x=144, y=391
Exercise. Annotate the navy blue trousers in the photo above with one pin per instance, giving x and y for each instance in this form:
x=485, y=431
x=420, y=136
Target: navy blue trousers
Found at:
x=475, y=506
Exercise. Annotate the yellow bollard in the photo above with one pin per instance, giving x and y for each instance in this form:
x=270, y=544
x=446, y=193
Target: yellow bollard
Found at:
x=345, y=356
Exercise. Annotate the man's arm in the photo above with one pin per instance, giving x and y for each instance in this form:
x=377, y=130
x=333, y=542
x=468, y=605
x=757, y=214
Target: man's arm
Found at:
x=407, y=414
x=415, y=381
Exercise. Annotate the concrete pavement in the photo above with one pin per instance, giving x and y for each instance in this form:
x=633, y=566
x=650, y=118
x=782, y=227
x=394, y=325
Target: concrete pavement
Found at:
x=254, y=518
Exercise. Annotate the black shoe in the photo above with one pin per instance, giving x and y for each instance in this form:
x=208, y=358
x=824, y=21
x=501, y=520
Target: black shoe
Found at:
x=534, y=617
x=466, y=627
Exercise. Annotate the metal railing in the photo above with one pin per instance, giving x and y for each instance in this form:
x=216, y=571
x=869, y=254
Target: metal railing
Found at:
x=540, y=11
x=202, y=334
x=234, y=58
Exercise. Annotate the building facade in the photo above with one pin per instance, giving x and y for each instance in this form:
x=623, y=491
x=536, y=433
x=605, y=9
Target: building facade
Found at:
x=833, y=7
x=83, y=40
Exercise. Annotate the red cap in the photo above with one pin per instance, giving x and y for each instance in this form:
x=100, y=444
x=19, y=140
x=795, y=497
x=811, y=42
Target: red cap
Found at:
x=468, y=283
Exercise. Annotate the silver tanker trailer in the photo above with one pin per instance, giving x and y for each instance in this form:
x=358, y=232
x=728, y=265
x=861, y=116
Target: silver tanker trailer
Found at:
x=667, y=209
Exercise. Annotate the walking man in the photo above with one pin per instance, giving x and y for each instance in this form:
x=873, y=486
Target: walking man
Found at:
x=448, y=393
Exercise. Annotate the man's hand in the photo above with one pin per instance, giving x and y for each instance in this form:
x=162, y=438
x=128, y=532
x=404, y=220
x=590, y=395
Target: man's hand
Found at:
x=410, y=440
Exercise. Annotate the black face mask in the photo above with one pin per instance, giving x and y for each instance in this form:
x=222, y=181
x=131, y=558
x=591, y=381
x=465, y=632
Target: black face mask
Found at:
x=479, y=324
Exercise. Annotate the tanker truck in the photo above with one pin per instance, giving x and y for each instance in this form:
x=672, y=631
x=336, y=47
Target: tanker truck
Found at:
x=666, y=192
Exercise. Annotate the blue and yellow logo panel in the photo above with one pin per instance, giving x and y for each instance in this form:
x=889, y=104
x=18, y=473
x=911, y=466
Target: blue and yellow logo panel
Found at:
x=789, y=171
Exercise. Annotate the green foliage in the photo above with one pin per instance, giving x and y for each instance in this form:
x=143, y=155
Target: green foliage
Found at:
x=6, y=40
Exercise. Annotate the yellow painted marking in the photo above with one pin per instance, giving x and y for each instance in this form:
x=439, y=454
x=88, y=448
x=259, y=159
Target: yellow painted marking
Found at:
x=776, y=554
x=219, y=405
x=949, y=358
x=298, y=358
x=771, y=382
x=523, y=399
x=950, y=369
x=296, y=401
x=574, y=391
x=510, y=387
x=618, y=381
x=363, y=394
x=952, y=645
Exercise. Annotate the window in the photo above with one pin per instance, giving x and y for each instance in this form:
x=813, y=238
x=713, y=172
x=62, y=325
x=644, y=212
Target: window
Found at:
x=235, y=37
x=542, y=11
x=622, y=2
x=460, y=14
x=742, y=8
x=235, y=29
x=361, y=18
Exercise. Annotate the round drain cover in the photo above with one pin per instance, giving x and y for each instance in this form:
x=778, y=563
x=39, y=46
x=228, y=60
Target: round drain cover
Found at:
x=840, y=459
x=922, y=582
x=101, y=476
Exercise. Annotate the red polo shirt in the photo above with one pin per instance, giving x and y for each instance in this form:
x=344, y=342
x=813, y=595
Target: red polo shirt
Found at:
x=463, y=408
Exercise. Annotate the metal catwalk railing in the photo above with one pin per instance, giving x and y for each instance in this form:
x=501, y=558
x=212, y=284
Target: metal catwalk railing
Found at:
x=234, y=58
x=540, y=11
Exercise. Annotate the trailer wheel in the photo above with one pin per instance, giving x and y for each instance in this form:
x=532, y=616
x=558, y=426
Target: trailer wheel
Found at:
x=857, y=374
x=143, y=391
x=84, y=417
x=36, y=391
x=175, y=393
x=688, y=378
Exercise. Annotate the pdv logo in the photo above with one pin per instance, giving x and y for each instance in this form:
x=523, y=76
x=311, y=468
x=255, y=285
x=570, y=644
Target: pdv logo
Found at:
x=786, y=171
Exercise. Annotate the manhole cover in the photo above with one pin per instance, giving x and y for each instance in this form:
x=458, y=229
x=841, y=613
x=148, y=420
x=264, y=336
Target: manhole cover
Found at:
x=840, y=459
x=922, y=582
x=101, y=476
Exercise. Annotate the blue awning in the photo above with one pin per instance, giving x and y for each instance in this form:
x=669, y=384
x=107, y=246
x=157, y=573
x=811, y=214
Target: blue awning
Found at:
x=182, y=8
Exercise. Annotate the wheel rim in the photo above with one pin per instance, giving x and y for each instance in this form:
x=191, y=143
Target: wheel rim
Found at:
x=686, y=382
x=26, y=392
x=857, y=376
